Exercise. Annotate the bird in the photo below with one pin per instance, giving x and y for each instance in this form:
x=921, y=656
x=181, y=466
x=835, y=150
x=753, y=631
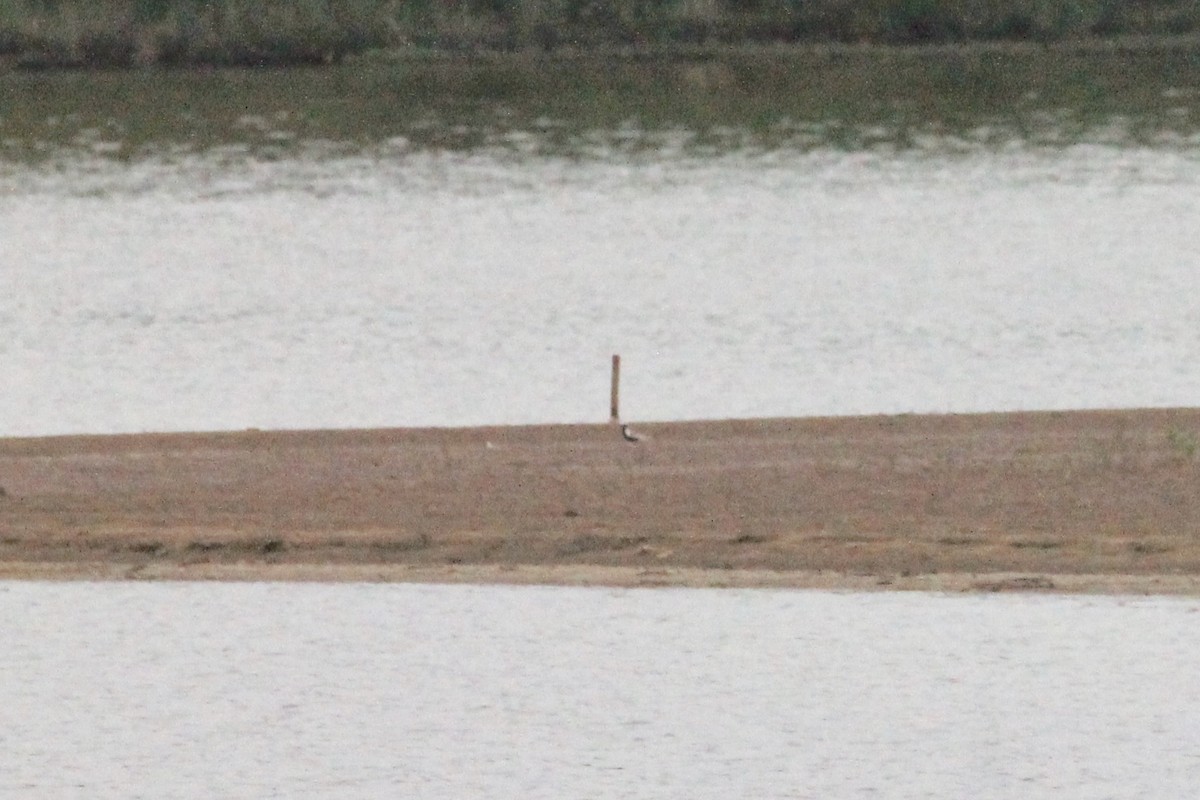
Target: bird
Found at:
x=629, y=435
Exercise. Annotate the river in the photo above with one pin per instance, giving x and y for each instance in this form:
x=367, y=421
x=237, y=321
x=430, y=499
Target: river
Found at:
x=180, y=691
x=416, y=287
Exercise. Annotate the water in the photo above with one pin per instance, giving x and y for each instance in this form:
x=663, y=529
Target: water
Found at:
x=225, y=291
x=348, y=691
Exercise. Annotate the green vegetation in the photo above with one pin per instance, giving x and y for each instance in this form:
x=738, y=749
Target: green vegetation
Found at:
x=1184, y=443
x=132, y=32
x=122, y=33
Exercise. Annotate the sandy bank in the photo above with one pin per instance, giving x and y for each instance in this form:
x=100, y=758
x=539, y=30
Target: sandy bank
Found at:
x=1099, y=501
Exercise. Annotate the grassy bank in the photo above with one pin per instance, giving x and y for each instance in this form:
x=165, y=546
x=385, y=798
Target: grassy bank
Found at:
x=46, y=33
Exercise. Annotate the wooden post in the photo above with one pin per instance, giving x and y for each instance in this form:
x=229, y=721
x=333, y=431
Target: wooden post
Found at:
x=614, y=406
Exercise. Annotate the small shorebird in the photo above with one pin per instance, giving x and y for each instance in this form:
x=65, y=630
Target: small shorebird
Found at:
x=629, y=435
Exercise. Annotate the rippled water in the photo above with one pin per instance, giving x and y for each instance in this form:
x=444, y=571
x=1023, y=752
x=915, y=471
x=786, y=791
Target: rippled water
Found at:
x=308, y=691
x=425, y=288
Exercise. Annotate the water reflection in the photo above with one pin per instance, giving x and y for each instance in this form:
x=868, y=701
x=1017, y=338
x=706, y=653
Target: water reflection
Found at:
x=575, y=105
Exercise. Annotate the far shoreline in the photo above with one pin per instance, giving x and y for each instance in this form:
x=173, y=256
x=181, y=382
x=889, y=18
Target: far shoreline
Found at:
x=802, y=51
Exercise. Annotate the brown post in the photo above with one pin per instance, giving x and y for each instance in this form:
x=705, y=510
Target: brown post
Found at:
x=614, y=406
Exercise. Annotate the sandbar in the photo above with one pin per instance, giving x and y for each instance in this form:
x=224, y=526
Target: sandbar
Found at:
x=1099, y=501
